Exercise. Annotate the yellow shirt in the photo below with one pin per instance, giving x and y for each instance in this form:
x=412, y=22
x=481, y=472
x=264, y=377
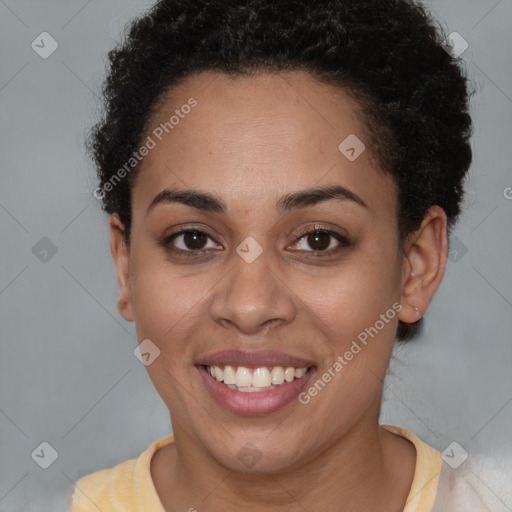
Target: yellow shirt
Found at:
x=128, y=487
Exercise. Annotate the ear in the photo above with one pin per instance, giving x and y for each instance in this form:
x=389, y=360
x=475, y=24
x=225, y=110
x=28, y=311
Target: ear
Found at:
x=121, y=255
x=425, y=257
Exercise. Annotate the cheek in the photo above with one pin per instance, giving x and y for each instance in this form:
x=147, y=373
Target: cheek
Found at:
x=359, y=321
x=165, y=303
x=353, y=298
x=167, y=311
x=355, y=306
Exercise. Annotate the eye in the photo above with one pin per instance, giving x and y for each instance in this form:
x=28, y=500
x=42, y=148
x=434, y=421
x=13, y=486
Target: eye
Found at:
x=189, y=241
x=197, y=242
x=322, y=241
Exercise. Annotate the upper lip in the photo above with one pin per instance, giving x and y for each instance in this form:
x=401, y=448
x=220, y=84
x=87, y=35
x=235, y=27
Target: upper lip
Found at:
x=254, y=359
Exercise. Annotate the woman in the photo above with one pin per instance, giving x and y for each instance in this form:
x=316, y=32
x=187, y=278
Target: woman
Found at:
x=281, y=178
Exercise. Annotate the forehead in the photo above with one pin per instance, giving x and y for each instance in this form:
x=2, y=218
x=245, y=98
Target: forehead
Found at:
x=251, y=135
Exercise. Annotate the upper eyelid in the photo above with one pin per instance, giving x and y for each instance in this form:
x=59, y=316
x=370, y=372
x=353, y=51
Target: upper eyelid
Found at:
x=317, y=228
x=186, y=228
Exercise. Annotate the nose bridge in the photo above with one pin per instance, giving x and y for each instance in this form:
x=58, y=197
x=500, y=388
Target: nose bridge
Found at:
x=251, y=293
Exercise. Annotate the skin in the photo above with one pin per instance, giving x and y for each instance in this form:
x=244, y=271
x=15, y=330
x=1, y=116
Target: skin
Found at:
x=249, y=141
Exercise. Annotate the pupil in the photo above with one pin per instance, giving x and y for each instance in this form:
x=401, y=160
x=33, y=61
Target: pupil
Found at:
x=193, y=239
x=316, y=239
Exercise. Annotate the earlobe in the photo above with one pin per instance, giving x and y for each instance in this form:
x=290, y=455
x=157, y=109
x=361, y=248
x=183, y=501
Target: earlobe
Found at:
x=424, y=264
x=121, y=256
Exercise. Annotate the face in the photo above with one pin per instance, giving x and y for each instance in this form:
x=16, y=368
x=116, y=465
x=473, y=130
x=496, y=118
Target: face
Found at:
x=256, y=272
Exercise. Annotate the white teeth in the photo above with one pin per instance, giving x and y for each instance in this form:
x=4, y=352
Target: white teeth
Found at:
x=259, y=379
x=251, y=389
x=300, y=372
x=229, y=375
x=243, y=377
x=219, y=374
x=277, y=375
x=289, y=374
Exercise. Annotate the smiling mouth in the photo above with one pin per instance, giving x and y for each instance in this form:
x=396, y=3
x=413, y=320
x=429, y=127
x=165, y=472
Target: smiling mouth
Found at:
x=258, y=379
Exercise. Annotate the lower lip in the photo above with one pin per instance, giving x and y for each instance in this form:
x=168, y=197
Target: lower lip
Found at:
x=258, y=403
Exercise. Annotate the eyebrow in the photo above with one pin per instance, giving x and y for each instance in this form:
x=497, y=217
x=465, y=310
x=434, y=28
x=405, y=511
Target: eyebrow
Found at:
x=293, y=201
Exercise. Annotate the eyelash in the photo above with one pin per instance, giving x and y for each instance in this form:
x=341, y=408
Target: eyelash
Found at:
x=344, y=242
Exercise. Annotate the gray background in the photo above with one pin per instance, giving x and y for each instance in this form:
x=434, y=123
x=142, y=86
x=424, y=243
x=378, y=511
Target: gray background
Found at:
x=68, y=375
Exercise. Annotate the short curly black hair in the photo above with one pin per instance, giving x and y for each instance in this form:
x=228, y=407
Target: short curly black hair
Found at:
x=388, y=54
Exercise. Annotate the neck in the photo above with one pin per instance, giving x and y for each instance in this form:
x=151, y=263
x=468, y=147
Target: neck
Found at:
x=368, y=468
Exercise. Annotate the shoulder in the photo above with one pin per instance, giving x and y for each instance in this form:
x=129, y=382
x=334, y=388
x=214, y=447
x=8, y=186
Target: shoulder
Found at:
x=426, y=474
x=120, y=488
x=474, y=487
x=104, y=489
x=479, y=484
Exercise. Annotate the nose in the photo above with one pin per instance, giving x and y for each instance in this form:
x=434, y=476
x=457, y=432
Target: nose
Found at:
x=253, y=297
